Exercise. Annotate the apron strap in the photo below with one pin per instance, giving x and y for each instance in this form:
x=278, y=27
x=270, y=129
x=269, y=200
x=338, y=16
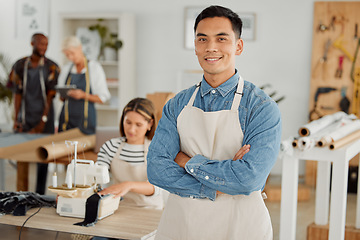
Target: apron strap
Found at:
x=238, y=95
x=42, y=84
x=192, y=99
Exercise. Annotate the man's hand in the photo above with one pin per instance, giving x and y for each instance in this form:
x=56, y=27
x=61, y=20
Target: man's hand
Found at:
x=17, y=126
x=181, y=159
x=242, y=151
x=38, y=128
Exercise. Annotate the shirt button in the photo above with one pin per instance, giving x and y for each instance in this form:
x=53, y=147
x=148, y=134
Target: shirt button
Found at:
x=213, y=91
x=207, y=177
x=192, y=170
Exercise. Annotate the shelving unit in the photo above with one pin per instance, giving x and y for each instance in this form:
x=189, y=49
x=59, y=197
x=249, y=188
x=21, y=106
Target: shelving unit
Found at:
x=120, y=74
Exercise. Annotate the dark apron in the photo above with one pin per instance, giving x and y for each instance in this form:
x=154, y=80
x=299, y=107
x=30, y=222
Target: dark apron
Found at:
x=34, y=102
x=76, y=109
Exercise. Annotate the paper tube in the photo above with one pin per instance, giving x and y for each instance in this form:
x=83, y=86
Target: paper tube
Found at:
x=60, y=149
x=340, y=133
x=295, y=143
x=27, y=151
x=321, y=123
x=346, y=140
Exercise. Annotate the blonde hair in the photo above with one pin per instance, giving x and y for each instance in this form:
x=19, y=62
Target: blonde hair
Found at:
x=70, y=42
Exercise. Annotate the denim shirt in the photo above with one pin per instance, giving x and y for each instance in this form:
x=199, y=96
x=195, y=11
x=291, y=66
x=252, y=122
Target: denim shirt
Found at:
x=260, y=122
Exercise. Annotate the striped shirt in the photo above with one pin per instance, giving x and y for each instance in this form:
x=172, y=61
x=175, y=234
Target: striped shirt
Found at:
x=133, y=154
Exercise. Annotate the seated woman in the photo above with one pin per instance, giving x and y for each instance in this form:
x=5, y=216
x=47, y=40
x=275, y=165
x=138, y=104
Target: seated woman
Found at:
x=126, y=157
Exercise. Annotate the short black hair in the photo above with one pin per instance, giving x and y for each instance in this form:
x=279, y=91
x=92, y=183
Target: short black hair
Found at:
x=35, y=36
x=219, y=11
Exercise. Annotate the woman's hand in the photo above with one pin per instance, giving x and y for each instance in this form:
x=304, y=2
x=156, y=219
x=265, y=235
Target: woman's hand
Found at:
x=77, y=94
x=118, y=190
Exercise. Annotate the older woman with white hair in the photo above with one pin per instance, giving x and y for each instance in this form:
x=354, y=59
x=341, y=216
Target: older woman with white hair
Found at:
x=78, y=110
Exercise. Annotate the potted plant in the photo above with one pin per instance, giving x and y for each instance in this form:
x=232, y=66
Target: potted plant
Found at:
x=109, y=41
x=5, y=93
x=112, y=45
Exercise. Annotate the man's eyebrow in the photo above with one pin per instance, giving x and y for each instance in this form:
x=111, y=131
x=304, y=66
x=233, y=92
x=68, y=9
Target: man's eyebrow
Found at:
x=222, y=34
x=219, y=34
x=201, y=35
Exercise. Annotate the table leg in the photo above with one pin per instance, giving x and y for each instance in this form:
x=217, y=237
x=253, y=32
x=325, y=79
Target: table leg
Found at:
x=338, y=199
x=357, y=222
x=322, y=192
x=2, y=175
x=289, y=191
x=22, y=176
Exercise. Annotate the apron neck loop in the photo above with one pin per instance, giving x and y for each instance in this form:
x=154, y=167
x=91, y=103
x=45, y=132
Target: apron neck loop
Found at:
x=86, y=101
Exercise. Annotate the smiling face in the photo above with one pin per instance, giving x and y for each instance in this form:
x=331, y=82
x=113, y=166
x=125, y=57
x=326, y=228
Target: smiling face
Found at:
x=216, y=47
x=136, y=127
x=40, y=45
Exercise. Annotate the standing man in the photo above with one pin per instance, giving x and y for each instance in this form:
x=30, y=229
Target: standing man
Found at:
x=34, y=79
x=201, y=149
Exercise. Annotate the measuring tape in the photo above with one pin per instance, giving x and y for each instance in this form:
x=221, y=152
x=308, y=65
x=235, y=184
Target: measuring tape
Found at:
x=356, y=97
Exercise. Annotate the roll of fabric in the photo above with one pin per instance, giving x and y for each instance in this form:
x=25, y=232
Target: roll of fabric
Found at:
x=321, y=123
x=339, y=133
x=63, y=149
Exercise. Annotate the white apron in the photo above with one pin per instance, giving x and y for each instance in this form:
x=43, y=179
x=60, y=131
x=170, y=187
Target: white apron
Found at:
x=217, y=136
x=123, y=171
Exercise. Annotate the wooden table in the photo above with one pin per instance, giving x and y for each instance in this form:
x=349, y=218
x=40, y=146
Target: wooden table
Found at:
x=126, y=222
x=339, y=159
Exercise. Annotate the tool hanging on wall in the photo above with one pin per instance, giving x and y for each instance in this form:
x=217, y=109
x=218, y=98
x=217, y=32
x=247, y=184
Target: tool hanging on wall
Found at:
x=322, y=27
x=355, y=77
x=356, y=31
x=323, y=61
x=339, y=44
x=354, y=62
x=356, y=96
x=339, y=70
x=344, y=102
x=315, y=113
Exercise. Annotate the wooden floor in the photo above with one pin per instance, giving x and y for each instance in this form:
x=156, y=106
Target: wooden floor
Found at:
x=305, y=211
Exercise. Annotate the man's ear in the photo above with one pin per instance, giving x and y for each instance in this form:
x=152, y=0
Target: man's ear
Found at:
x=239, y=46
x=195, y=47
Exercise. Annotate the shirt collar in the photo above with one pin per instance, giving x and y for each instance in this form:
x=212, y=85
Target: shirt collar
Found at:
x=223, y=89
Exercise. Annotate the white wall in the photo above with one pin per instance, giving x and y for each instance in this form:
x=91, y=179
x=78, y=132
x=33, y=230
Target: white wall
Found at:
x=280, y=55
